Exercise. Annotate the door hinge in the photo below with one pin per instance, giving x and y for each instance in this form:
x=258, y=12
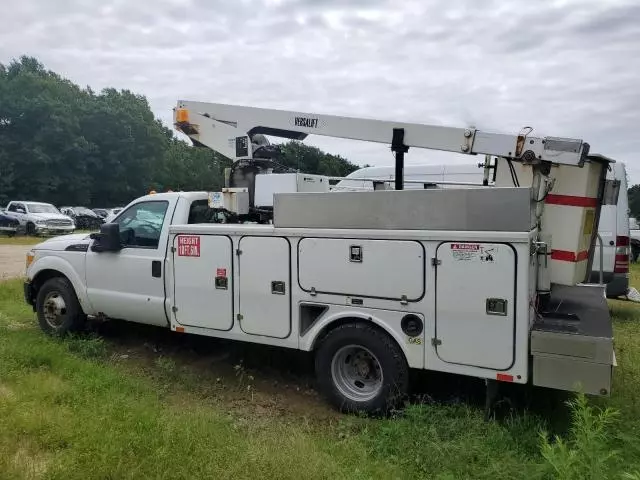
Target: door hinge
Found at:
x=435, y=262
x=239, y=316
x=174, y=309
x=173, y=249
x=436, y=341
x=238, y=251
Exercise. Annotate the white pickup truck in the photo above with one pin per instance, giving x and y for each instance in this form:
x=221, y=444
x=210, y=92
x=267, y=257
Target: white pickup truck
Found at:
x=37, y=218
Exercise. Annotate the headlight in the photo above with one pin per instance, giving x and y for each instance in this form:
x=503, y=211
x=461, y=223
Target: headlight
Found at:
x=41, y=223
x=31, y=255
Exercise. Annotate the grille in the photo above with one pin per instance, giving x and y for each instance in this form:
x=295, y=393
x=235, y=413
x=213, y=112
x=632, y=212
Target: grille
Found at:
x=59, y=223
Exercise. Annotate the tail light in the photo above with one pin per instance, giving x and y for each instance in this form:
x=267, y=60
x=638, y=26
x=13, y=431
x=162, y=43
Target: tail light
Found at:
x=622, y=255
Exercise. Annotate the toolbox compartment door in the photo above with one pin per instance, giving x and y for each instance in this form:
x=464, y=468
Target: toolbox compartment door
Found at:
x=475, y=304
x=203, y=283
x=387, y=269
x=265, y=286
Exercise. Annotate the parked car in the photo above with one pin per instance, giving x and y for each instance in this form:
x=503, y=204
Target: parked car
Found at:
x=614, y=230
x=634, y=239
x=8, y=224
x=83, y=217
x=113, y=214
x=39, y=218
x=101, y=212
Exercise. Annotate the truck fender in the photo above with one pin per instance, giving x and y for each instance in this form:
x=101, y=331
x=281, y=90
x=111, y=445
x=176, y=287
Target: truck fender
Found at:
x=62, y=266
x=310, y=340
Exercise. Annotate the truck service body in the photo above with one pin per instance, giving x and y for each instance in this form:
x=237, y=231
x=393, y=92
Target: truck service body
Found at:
x=483, y=282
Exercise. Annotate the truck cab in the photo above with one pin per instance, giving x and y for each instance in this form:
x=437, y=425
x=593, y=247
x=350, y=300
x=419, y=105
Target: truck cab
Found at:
x=139, y=292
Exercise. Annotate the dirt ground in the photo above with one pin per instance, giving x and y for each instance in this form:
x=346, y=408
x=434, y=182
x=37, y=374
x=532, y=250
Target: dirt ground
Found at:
x=12, y=260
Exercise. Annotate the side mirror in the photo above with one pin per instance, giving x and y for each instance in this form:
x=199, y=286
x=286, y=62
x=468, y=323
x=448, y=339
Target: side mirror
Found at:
x=20, y=210
x=108, y=240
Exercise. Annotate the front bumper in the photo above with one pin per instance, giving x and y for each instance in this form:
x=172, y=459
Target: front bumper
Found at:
x=46, y=230
x=29, y=294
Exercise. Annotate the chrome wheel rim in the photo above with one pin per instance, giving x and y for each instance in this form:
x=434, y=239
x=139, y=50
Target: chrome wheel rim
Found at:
x=54, y=309
x=356, y=373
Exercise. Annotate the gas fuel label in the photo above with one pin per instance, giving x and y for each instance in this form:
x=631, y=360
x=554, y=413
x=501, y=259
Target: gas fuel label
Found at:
x=188, y=246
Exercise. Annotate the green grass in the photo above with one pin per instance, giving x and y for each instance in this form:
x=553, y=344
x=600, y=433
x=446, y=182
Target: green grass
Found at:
x=94, y=406
x=20, y=240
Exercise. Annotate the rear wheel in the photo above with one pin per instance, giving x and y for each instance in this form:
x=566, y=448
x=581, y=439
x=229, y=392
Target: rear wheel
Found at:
x=360, y=368
x=58, y=309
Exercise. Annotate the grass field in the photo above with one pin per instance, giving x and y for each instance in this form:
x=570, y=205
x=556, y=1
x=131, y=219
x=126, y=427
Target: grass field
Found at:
x=137, y=403
x=20, y=240
x=29, y=240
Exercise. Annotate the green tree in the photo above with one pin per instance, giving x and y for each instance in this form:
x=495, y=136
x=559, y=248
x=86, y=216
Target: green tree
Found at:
x=67, y=145
x=310, y=159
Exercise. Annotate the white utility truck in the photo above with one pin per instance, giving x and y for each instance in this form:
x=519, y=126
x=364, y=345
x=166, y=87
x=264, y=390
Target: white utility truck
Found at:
x=481, y=282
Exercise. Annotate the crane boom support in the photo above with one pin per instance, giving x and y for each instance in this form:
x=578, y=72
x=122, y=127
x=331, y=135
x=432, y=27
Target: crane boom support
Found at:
x=230, y=129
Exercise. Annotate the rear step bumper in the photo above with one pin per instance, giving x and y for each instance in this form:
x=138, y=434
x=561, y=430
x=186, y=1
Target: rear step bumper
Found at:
x=572, y=345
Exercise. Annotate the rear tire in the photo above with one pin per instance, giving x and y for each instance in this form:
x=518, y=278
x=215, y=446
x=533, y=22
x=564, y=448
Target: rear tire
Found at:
x=58, y=309
x=360, y=368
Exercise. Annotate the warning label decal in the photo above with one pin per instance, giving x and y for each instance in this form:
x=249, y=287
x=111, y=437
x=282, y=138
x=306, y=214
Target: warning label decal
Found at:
x=221, y=272
x=188, y=246
x=465, y=251
x=473, y=252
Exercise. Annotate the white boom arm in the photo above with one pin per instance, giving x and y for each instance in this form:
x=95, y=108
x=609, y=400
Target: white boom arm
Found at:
x=230, y=130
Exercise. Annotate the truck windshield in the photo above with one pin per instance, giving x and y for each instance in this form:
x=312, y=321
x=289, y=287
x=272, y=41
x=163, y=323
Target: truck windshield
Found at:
x=141, y=224
x=41, y=208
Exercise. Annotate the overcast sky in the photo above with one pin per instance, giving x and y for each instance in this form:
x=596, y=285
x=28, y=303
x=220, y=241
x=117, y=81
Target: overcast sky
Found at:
x=566, y=68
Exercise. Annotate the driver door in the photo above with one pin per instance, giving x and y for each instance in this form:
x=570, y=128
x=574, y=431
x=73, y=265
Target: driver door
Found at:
x=129, y=284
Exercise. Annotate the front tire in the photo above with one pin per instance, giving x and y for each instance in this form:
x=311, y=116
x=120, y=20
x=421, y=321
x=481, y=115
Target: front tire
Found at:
x=58, y=309
x=360, y=368
x=31, y=229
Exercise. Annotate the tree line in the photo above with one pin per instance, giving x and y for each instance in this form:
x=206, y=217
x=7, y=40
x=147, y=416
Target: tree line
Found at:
x=67, y=145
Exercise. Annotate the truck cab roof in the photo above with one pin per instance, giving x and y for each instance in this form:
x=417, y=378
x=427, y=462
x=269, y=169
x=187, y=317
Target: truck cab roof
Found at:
x=190, y=196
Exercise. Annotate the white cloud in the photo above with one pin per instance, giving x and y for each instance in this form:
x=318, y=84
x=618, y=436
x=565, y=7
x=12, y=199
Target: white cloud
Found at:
x=567, y=68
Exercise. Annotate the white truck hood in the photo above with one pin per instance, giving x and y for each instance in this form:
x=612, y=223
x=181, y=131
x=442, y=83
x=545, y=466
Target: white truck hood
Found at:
x=63, y=241
x=48, y=216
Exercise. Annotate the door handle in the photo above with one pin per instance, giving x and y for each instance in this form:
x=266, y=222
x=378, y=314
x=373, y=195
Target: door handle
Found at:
x=278, y=287
x=156, y=268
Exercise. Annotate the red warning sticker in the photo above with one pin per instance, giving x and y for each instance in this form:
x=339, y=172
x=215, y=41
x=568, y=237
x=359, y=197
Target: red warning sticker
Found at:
x=221, y=272
x=465, y=246
x=188, y=246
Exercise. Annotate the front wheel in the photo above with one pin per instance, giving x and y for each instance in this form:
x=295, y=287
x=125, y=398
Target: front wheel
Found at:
x=360, y=368
x=58, y=309
x=30, y=229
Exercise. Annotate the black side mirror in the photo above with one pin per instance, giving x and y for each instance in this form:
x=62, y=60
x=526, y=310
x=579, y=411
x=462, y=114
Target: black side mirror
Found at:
x=20, y=210
x=108, y=240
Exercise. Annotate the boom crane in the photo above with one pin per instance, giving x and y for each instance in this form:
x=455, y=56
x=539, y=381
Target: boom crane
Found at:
x=238, y=133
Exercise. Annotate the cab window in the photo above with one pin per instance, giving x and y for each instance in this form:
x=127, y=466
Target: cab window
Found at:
x=14, y=207
x=141, y=224
x=199, y=212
